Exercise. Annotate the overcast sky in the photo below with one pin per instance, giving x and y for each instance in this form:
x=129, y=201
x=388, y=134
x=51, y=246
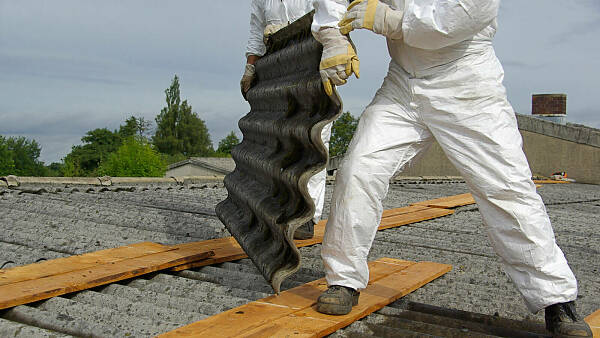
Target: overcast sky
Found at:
x=70, y=66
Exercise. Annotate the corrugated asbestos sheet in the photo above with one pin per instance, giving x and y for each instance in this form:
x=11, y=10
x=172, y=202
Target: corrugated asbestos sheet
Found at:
x=475, y=299
x=281, y=149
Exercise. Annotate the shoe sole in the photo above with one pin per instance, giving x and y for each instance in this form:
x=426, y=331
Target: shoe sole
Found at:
x=334, y=309
x=337, y=309
x=302, y=235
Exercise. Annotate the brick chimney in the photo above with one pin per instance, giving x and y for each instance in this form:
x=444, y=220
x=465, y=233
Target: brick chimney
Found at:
x=550, y=107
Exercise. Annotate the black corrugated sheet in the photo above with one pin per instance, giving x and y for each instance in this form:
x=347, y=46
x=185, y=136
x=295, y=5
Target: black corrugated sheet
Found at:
x=281, y=149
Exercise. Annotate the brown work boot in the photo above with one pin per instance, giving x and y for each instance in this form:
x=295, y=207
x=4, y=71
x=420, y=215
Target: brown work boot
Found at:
x=337, y=300
x=305, y=231
x=562, y=321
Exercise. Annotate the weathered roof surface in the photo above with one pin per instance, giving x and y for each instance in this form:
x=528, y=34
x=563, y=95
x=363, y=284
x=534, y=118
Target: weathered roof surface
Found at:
x=281, y=149
x=223, y=165
x=48, y=221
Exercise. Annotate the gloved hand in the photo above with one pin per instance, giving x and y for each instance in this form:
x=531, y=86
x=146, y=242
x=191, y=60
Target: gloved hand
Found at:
x=373, y=15
x=270, y=30
x=247, y=78
x=338, y=61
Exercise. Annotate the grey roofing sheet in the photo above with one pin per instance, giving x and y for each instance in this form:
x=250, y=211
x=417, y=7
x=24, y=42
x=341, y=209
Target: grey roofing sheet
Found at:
x=58, y=221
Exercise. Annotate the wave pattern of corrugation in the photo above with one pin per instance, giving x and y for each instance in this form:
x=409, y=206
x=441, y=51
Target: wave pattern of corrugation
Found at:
x=281, y=149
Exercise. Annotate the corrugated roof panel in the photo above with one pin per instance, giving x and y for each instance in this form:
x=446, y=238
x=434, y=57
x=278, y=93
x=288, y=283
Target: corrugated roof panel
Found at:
x=476, y=284
x=281, y=149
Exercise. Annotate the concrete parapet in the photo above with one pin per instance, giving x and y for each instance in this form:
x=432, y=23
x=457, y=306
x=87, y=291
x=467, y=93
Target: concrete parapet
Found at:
x=569, y=132
x=198, y=179
x=59, y=180
x=105, y=181
x=141, y=180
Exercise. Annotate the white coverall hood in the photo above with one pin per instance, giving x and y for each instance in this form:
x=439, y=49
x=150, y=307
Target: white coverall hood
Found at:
x=445, y=83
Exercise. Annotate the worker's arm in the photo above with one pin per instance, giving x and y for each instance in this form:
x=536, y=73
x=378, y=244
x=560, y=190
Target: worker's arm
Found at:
x=251, y=59
x=328, y=13
x=434, y=24
x=339, y=60
x=256, y=46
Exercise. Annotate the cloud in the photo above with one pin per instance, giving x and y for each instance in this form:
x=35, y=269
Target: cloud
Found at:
x=64, y=74
x=521, y=65
x=577, y=31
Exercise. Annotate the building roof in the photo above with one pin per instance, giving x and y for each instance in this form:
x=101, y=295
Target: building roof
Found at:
x=223, y=165
x=44, y=221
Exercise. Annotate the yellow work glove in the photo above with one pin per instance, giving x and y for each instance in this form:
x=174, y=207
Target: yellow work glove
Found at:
x=247, y=79
x=338, y=61
x=373, y=15
x=270, y=30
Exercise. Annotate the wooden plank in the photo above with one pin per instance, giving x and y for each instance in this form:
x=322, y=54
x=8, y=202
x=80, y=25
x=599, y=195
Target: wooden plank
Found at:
x=227, y=249
x=43, y=288
x=377, y=295
x=402, y=211
x=293, y=313
x=413, y=217
x=78, y=262
x=293, y=325
x=234, y=322
x=304, y=295
x=550, y=182
x=448, y=202
x=593, y=321
x=277, y=306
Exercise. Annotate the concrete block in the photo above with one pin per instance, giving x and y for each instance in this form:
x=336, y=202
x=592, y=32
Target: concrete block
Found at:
x=105, y=181
x=11, y=180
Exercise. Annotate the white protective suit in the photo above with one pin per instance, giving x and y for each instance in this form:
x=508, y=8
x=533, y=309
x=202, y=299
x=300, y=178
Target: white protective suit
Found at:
x=283, y=12
x=445, y=83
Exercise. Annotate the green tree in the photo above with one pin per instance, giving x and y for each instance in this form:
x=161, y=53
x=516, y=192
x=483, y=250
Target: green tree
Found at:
x=7, y=165
x=98, y=144
x=135, y=158
x=72, y=167
x=55, y=169
x=227, y=143
x=135, y=126
x=178, y=129
x=341, y=134
x=24, y=155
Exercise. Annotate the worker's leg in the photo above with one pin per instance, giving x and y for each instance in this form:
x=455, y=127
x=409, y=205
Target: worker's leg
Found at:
x=387, y=137
x=316, y=184
x=477, y=130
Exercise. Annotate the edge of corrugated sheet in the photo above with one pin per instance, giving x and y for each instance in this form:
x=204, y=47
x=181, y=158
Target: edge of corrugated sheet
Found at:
x=281, y=149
